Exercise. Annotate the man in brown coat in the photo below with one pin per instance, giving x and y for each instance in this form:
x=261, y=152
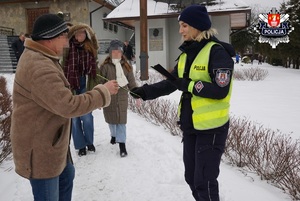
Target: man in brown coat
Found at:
x=42, y=107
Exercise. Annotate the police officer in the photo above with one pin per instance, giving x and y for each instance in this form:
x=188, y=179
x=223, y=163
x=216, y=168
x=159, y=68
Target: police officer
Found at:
x=204, y=75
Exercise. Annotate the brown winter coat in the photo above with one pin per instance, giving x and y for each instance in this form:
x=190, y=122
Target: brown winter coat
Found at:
x=42, y=107
x=116, y=112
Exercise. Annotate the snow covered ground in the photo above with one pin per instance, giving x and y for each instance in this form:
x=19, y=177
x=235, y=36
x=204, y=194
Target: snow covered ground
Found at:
x=153, y=169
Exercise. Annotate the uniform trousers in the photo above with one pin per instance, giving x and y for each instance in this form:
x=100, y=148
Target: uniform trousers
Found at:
x=202, y=156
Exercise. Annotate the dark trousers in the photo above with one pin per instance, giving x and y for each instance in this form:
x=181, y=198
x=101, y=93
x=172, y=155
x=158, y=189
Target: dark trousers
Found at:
x=201, y=156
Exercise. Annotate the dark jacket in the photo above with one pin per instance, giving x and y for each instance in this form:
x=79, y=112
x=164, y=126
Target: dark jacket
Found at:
x=128, y=52
x=220, y=58
x=18, y=47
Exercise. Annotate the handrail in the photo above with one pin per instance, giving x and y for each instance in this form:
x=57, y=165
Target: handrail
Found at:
x=7, y=31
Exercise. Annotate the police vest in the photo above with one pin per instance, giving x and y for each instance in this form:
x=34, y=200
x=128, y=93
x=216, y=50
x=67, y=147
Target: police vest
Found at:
x=207, y=113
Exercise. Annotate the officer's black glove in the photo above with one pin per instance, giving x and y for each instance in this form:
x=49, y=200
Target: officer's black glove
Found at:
x=138, y=92
x=181, y=84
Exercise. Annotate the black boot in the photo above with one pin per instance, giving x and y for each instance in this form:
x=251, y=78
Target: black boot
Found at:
x=82, y=152
x=113, y=140
x=123, y=151
x=91, y=147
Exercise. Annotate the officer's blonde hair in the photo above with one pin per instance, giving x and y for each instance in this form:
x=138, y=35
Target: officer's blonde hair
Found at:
x=198, y=35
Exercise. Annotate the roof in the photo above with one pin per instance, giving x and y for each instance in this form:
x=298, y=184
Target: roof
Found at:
x=130, y=8
x=111, y=4
x=129, y=11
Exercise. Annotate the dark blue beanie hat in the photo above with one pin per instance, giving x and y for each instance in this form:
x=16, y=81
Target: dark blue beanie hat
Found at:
x=196, y=16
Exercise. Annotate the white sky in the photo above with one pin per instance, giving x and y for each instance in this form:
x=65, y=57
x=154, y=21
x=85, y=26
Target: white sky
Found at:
x=153, y=170
x=265, y=3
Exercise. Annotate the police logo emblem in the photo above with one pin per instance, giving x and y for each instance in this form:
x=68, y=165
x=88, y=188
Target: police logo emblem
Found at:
x=273, y=28
x=222, y=77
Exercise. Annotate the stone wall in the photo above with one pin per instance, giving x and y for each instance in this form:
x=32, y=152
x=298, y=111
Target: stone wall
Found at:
x=14, y=16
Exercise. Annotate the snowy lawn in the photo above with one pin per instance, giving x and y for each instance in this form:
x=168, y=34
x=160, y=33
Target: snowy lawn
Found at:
x=153, y=169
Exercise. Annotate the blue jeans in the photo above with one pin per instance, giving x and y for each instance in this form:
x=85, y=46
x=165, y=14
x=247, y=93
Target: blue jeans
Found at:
x=83, y=130
x=83, y=126
x=118, y=131
x=55, y=189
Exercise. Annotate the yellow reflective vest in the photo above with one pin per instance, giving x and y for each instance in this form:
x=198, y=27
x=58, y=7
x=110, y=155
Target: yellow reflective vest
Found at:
x=207, y=113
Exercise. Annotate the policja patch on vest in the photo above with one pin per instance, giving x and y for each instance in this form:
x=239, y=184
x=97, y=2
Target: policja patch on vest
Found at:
x=222, y=77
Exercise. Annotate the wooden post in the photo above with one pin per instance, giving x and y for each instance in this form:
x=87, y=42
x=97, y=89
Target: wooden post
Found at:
x=144, y=40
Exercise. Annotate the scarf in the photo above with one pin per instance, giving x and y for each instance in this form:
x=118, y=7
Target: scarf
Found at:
x=121, y=78
x=79, y=63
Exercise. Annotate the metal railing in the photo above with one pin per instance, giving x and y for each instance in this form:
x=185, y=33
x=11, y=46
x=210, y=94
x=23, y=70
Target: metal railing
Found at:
x=7, y=31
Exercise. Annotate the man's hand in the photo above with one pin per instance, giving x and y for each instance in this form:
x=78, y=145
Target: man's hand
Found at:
x=112, y=86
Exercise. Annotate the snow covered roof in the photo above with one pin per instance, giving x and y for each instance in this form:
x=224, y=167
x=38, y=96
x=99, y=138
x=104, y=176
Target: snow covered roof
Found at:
x=131, y=8
x=129, y=11
x=114, y=2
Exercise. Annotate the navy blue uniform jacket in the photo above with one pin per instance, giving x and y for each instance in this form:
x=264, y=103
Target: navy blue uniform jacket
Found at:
x=220, y=58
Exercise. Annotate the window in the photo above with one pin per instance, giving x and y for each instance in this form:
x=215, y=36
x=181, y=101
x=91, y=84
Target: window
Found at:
x=105, y=25
x=115, y=28
x=110, y=27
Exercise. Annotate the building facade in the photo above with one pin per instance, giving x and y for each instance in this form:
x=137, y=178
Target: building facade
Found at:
x=123, y=22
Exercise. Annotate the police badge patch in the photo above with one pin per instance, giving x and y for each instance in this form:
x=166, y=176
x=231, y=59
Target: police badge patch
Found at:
x=199, y=86
x=222, y=77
